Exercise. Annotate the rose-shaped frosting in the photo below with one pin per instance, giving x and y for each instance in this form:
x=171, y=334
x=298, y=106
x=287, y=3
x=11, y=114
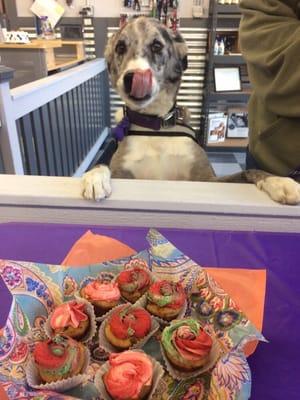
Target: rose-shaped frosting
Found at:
x=167, y=294
x=133, y=279
x=102, y=291
x=186, y=338
x=60, y=354
x=129, y=322
x=129, y=372
x=68, y=314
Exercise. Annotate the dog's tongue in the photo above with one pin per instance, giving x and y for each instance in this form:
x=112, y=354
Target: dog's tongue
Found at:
x=141, y=83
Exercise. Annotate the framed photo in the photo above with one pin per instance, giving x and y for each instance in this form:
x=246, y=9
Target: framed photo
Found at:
x=237, y=126
x=217, y=124
x=227, y=79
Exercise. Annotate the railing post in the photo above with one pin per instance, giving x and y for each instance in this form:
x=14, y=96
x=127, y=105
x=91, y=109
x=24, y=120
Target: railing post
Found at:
x=9, y=140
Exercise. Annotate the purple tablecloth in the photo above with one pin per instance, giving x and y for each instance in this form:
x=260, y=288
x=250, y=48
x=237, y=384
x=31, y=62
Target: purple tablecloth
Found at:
x=274, y=366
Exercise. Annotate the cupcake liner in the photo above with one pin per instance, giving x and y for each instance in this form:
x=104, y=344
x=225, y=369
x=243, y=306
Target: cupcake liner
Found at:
x=109, y=348
x=182, y=375
x=34, y=380
x=142, y=302
x=92, y=328
x=158, y=373
x=104, y=316
x=152, y=277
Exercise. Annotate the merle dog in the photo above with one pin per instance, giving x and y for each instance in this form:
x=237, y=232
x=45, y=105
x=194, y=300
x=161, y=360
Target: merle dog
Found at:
x=146, y=62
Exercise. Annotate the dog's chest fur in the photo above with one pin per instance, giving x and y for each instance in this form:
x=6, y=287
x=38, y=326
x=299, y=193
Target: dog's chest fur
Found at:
x=152, y=157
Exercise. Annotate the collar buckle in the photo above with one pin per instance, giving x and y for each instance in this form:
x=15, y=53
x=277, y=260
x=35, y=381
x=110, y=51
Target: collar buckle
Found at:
x=169, y=119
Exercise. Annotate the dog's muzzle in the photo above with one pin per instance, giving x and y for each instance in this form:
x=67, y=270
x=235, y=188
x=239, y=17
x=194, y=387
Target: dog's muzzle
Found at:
x=138, y=84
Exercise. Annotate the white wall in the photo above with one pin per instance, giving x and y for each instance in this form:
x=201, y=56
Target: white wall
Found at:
x=103, y=8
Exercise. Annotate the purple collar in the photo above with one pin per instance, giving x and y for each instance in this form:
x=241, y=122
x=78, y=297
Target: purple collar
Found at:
x=152, y=121
x=146, y=121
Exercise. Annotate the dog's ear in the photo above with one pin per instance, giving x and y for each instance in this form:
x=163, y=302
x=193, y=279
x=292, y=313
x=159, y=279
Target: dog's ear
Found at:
x=181, y=49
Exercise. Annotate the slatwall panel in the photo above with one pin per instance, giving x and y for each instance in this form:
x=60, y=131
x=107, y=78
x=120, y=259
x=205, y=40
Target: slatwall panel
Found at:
x=89, y=37
x=191, y=90
x=56, y=137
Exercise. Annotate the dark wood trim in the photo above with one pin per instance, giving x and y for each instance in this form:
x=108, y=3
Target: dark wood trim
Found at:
x=11, y=12
x=2, y=7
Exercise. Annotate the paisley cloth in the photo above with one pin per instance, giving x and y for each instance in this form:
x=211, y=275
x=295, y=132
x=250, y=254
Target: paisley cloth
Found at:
x=37, y=288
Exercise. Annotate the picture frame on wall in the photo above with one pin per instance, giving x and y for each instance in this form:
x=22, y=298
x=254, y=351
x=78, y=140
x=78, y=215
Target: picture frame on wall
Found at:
x=227, y=79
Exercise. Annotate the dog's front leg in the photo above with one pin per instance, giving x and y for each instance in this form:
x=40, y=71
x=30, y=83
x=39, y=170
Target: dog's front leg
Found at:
x=96, y=183
x=281, y=189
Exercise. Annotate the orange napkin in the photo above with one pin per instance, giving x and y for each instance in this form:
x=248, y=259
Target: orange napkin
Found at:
x=3, y=395
x=94, y=249
x=245, y=286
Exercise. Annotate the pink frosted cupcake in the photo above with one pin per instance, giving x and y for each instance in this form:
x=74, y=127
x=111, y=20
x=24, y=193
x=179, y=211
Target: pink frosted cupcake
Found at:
x=103, y=295
x=130, y=376
x=70, y=319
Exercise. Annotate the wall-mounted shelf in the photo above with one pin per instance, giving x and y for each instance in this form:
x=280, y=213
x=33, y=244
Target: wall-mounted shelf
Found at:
x=238, y=97
x=224, y=20
x=224, y=9
x=232, y=144
x=232, y=59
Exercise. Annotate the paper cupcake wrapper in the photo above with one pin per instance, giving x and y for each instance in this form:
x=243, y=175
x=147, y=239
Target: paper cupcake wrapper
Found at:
x=142, y=302
x=109, y=348
x=158, y=373
x=34, y=380
x=177, y=374
x=93, y=325
x=104, y=316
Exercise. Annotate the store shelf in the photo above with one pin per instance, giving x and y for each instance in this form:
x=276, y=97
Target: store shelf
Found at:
x=63, y=62
x=234, y=59
x=224, y=19
x=229, y=143
x=228, y=9
x=237, y=97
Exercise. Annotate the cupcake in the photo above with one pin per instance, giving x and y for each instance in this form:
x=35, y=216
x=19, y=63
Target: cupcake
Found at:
x=186, y=345
x=133, y=283
x=129, y=376
x=165, y=299
x=58, y=358
x=127, y=325
x=104, y=295
x=70, y=319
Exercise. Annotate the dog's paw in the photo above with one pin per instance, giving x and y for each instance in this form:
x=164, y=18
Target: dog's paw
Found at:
x=96, y=183
x=282, y=190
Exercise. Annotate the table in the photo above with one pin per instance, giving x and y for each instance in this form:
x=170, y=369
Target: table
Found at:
x=274, y=365
x=36, y=59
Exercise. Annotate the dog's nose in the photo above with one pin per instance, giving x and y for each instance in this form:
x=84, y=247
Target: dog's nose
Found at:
x=128, y=78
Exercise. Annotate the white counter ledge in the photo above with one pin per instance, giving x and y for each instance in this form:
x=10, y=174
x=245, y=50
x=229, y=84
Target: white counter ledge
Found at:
x=195, y=205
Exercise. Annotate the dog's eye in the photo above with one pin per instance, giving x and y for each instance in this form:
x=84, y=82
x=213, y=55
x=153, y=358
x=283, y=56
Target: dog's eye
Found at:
x=156, y=46
x=121, y=48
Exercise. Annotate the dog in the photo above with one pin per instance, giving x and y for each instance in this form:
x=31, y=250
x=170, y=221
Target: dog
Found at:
x=145, y=62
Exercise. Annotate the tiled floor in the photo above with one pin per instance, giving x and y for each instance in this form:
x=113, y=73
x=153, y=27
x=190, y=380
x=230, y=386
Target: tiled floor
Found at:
x=227, y=163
